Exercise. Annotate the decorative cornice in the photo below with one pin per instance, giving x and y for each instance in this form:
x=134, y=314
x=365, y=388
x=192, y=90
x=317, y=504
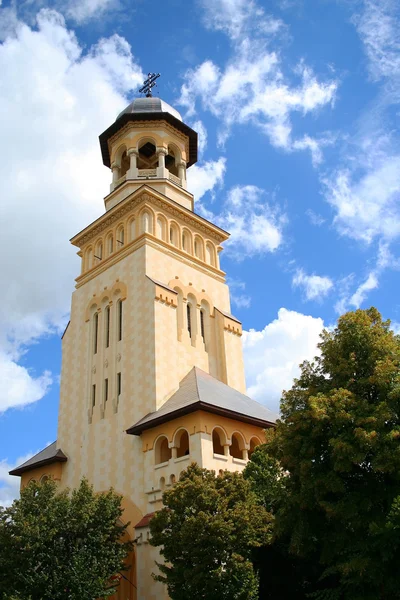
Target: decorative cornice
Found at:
x=149, y=196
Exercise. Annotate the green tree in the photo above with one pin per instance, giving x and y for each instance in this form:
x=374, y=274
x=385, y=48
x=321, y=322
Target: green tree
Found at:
x=61, y=546
x=207, y=530
x=338, y=443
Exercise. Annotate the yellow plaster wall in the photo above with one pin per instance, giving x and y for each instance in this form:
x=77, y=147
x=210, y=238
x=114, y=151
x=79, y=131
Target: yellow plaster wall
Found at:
x=53, y=471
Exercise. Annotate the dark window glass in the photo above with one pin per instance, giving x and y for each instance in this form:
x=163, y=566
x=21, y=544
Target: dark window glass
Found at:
x=119, y=384
x=93, y=395
x=105, y=390
x=120, y=320
x=189, y=319
x=95, y=332
x=202, y=324
x=107, y=336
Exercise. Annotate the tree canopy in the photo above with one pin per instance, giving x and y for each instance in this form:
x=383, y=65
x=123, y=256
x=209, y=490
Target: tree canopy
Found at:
x=338, y=445
x=61, y=546
x=207, y=530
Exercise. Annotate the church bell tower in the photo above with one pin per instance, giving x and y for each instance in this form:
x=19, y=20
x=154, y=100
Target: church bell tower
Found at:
x=152, y=368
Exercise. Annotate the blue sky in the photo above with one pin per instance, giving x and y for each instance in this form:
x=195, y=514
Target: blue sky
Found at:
x=297, y=108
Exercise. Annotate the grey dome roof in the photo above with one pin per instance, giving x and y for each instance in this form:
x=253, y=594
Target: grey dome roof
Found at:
x=149, y=105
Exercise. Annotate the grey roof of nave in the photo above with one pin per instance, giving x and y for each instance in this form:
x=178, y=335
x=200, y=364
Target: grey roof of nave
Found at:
x=47, y=456
x=198, y=390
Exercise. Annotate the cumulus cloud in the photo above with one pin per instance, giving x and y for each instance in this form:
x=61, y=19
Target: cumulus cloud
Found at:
x=255, y=222
x=9, y=485
x=314, y=287
x=204, y=177
x=52, y=178
x=202, y=135
x=252, y=88
x=378, y=25
x=238, y=295
x=239, y=17
x=272, y=355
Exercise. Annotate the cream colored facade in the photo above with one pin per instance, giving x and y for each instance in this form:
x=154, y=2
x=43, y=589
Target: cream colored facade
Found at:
x=150, y=303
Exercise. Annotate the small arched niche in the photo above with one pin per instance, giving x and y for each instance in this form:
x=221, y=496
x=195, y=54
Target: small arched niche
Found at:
x=161, y=228
x=120, y=241
x=174, y=234
x=147, y=158
x=182, y=443
x=110, y=244
x=198, y=248
x=237, y=446
x=147, y=222
x=99, y=251
x=187, y=241
x=218, y=440
x=162, y=483
x=210, y=254
x=132, y=229
x=162, y=451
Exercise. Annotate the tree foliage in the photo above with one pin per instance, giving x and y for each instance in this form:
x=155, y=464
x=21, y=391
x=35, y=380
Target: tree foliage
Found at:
x=338, y=443
x=61, y=546
x=207, y=530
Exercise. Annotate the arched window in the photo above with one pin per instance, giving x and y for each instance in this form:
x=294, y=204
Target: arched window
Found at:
x=95, y=331
x=44, y=478
x=162, y=451
x=217, y=437
x=107, y=326
x=120, y=237
x=147, y=158
x=172, y=479
x=119, y=320
x=254, y=442
x=189, y=318
x=236, y=447
x=125, y=164
x=210, y=254
x=171, y=161
x=162, y=483
x=182, y=443
x=202, y=328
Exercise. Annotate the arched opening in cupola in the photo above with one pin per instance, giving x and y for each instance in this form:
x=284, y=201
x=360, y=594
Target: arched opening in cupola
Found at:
x=218, y=440
x=125, y=164
x=147, y=158
x=171, y=161
x=236, y=447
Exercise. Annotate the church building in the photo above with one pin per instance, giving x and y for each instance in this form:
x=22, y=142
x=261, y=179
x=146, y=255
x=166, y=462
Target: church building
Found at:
x=152, y=368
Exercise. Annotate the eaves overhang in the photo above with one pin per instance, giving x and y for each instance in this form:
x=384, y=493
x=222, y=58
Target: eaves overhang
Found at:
x=139, y=428
x=151, y=116
x=59, y=457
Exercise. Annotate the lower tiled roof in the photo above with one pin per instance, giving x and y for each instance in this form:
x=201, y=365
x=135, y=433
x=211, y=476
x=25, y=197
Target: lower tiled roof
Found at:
x=49, y=455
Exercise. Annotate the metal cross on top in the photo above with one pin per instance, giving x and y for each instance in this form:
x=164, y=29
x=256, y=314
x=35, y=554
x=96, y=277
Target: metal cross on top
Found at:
x=148, y=84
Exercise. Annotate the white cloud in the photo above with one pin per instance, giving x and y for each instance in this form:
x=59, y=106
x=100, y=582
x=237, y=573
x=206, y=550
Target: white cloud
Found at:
x=256, y=225
x=314, y=146
x=239, y=17
x=252, y=88
x=314, y=287
x=82, y=11
x=378, y=25
x=205, y=177
x=366, y=199
x=315, y=218
x=52, y=178
x=202, y=135
x=9, y=485
x=237, y=293
x=361, y=293
x=19, y=386
x=272, y=356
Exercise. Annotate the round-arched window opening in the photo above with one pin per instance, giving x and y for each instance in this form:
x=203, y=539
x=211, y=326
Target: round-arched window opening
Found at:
x=162, y=451
x=218, y=448
x=172, y=479
x=234, y=449
x=44, y=478
x=162, y=483
x=183, y=445
x=147, y=156
x=254, y=442
x=125, y=164
x=171, y=162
